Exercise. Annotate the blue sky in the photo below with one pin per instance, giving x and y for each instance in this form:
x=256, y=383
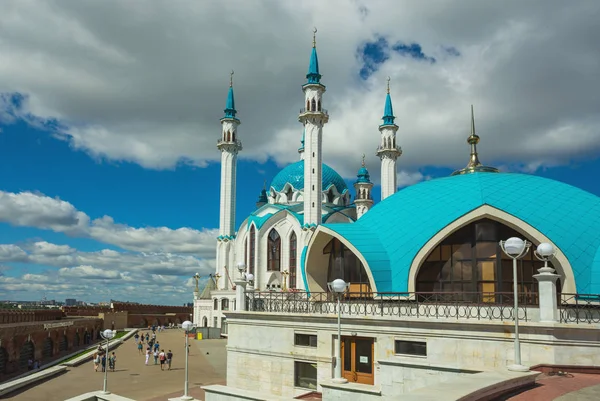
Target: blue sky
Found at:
x=109, y=173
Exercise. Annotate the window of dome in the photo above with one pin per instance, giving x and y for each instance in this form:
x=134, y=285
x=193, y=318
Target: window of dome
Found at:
x=344, y=264
x=469, y=262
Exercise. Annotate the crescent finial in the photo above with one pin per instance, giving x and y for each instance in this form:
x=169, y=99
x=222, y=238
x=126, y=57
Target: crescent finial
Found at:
x=231, y=78
x=314, y=37
x=388, y=84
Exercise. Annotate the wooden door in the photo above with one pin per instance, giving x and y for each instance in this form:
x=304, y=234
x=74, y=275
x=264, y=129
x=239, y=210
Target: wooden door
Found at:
x=357, y=359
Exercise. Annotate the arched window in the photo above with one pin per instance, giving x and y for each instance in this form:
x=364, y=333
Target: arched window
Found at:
x=246, y=251
x=233, y=136
x=225, y=304
x=319, y=105
x=252, y=250
x=307, y=105
x=469, y=262
x=330, y=196
x=345, y=265
x=289, y=194
x=204, y=322
x=313, y=105
x=293, y=259
x=216, y=304
x=274, y=251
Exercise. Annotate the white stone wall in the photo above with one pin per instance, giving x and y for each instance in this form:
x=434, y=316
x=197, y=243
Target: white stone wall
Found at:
x=227, y=204
x=261, y=351
x=388, y=177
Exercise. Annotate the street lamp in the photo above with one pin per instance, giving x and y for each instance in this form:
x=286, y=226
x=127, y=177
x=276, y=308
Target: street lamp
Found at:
x=284, y=273
x=241, y=266
x=107, y=335
x=545, y=252
x=516, y=248
x=338, y=286
x=187, y=326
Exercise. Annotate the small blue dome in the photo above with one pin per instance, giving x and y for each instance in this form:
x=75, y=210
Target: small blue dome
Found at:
x=294, y=174
x=363, y=175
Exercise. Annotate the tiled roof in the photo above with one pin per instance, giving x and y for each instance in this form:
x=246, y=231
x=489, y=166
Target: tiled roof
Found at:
x=294, y=174
x=393, y=232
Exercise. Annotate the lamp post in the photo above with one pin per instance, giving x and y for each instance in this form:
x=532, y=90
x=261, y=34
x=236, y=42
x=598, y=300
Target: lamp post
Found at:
x=241, y=266
x=547, y=297
x=338, y=286
x=186, y=326
x=515, y=248
x=545, y=252
x=107, y=335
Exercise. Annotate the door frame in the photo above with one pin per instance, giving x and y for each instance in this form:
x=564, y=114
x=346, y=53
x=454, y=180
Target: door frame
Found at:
x=352, y=375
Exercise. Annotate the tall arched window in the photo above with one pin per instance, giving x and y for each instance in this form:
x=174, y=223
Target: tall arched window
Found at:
x=330, y=196
x=319, y=105
x=274, y=251
x=246, y=252
x=313, y=105
x=293, y=259
x=252, y=250
x=470, y=261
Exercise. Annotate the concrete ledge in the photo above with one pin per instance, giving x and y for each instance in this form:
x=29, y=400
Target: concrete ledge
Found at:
x=480, y=386
x=113, y=344
x=223, y=393
x=99, y=396
x=16, y=384
x=352, y=388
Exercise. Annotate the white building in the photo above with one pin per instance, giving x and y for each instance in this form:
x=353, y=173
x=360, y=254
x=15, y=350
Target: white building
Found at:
x=430, y=297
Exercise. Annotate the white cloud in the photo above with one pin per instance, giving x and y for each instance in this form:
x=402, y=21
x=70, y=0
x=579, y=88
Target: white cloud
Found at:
x=149, y=85
x=407, y=178
x=40, y=211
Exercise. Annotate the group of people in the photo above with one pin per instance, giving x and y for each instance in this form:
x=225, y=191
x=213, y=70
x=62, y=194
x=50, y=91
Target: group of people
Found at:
x=100, y=360
x=152, y=349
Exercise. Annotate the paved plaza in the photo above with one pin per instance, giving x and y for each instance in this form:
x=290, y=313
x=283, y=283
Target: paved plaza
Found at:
x=571, y=387
x=207, y=365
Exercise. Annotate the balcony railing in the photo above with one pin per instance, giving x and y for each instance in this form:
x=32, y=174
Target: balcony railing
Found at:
x=305, y=110
x=579, y=308
x=478, y=306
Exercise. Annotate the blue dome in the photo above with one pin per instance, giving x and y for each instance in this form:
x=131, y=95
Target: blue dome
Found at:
x=394, y=231
x=294, y=174
x=363, y=175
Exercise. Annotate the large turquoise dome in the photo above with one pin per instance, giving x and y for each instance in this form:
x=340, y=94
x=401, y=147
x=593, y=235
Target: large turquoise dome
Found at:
x=391, y=234
x=294, y=174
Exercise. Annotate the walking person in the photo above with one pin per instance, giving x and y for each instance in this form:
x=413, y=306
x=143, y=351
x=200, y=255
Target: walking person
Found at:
x=103, y=362
x=156, y=357
x=96, y=362
x=162, y=357
x=169, y=359
x=111, y=361
x=137, y=337
x=140, y=348
x=147, y=355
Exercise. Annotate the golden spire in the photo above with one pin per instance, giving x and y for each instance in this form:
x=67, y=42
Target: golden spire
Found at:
x=388, y=85
x=231, y=79
x=474, y=164
x=363, y=160
x=315, y=37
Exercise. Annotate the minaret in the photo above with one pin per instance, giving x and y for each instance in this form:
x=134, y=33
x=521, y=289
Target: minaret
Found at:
x=229, y=146
x=313, y=117
x=363, y=187
x=474, y=165
x=388, y=151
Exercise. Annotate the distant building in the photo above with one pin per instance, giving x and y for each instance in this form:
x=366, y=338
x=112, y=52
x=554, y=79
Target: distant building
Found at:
x=70, y=302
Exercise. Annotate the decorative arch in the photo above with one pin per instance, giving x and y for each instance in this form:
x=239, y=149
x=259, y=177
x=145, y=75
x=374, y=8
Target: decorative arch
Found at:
x=559, y=262
x=63, y=345
x=313, y=105
x=215, y=304
x=3, y=360
x=315, y=275
x=273, y=251
x=48, y=348
x=26, y=353
x=76, y=340
x=204, y=321
x=225, y=304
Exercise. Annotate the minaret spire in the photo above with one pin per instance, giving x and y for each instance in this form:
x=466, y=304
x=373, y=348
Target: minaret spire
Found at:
x=363, y=187
x=229, y=146
x=474, y=164
x=388, y=151
x=313, y=116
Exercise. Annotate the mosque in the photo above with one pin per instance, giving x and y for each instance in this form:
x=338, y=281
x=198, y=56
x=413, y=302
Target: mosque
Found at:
x=436, y=237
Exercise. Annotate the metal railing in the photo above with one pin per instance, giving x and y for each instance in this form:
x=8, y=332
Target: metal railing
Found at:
x=579, y=308
x=305, y=110
x=447, y=305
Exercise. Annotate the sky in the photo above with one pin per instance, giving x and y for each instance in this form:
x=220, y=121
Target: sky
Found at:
x=109, y=117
